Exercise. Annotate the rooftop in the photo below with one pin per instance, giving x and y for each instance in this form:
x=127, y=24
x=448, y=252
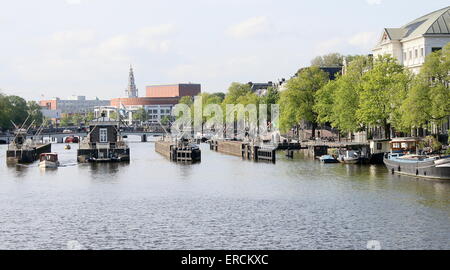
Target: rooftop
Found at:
x=435, y=23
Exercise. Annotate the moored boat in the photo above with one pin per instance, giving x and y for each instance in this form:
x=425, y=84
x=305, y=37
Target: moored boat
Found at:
x=419, y=165
x=48, y=160
x=104, y=143
x=403, y=160
x=350, y=157
x=328, y=159
x=25, y=150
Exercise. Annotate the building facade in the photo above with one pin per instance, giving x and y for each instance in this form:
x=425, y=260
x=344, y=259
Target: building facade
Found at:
x=158, y=102
x=411, y=43
x=173, y=90
x=73, y=105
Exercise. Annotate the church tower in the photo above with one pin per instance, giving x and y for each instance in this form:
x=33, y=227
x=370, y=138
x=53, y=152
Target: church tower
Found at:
x=131, y=91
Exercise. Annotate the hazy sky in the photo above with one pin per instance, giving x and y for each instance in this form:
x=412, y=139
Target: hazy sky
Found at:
x=84, y=47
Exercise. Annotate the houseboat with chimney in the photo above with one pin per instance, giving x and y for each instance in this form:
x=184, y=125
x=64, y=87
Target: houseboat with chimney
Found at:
x=104, y=143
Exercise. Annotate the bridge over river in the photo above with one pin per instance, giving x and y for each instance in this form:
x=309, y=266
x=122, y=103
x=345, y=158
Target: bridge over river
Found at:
x=60, y=137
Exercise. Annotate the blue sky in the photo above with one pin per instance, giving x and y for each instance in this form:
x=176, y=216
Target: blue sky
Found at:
x=84, y=47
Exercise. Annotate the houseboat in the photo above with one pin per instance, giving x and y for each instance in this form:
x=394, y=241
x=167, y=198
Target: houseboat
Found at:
x=378, y=148
x=103, y=143
x=25, y=150
x=403, y=159
x=48, y=160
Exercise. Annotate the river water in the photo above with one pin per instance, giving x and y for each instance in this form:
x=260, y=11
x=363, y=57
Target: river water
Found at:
x=221, y=203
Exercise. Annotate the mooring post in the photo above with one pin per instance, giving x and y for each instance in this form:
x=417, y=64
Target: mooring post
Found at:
x=144, y=138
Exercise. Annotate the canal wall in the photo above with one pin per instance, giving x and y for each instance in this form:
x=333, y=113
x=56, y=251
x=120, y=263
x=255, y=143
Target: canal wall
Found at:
x=245, y=150
x=182, y=152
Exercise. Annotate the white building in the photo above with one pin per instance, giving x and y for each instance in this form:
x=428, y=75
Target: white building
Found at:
x=411, y=43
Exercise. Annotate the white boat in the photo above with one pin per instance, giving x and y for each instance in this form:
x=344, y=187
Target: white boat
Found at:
x=349, y=157
x=48, y=160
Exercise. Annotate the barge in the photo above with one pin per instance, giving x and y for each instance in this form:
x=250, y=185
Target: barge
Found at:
x=179, y=151
x=434, y=167
x=402, y=160
x=103, y=143
x=24, y=150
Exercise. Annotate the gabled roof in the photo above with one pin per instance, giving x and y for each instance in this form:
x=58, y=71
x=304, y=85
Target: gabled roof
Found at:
x=435, y=23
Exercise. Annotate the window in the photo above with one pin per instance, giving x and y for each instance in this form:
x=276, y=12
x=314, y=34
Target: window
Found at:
x=421, y=52
x=416, y=53
x=379, y=146
x=404, y=56
x=435, y=49
x=103, y=135
x=410, y=55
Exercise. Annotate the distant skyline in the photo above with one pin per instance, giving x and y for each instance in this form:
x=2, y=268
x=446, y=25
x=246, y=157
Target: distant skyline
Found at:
x=85, y=47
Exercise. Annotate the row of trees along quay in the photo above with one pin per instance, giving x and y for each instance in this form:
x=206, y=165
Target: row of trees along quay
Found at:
x=379, y=93
x=371, y=94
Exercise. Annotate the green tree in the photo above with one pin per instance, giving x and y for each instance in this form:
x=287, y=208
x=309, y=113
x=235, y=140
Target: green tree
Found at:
x=140, y=115
x=17, y=110
x=436, y=71
x=114, y=115
x=329, y=60
x=236, y=91
x=384, y=88
x=298, y=100
x=66, y=120
x=187, y=100
x=165, y=120
x=34, y=111
x=416, y=108
x=89, y=117
x=325, y=102
x=219, y=95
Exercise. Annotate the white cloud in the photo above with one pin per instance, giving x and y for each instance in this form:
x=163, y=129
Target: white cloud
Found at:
x=374, y=2
x=79, y=56
x=249, y=28
x=329, y=45
x=73, y=2
x=363, y=39
x=73, y=37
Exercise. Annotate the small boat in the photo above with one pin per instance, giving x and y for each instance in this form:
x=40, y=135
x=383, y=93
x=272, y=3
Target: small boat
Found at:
x=72, y=139
x=328, y=159
x=48, y=160
x=349, y=157
x=67, y=147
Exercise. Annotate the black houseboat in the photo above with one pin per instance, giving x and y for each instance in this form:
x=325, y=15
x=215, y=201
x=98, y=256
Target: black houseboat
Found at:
x=23, y=150
x=103, y=143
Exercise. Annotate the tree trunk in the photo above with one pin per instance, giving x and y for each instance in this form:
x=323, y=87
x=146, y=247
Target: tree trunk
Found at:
x=313, y=131
x=387, y=129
